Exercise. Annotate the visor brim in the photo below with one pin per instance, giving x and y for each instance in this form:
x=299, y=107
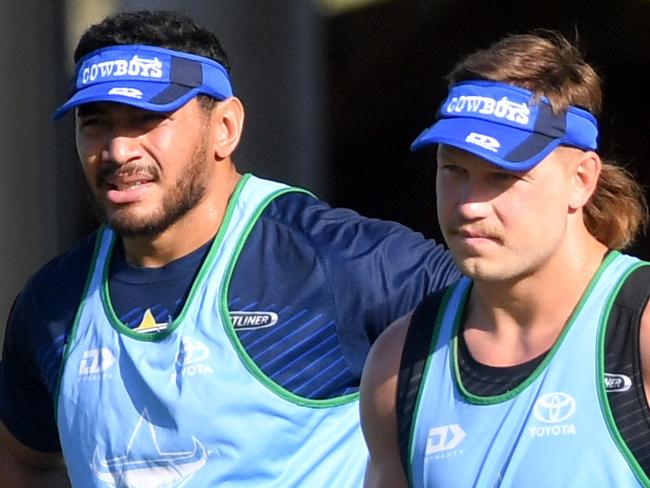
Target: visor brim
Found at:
x=153, y=96
x=504, y=146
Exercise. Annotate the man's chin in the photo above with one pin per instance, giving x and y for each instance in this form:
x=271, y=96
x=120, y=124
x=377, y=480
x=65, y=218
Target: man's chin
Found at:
x=476, y=268
x=131, y=226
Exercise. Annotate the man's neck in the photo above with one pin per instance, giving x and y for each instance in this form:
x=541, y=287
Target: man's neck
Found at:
x=190, y=232
x=511, y=322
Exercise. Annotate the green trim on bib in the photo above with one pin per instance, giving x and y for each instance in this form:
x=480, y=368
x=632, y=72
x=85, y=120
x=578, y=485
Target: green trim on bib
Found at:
x=600, y=374
x=490, y=400
x=198, y=281
x=252, y=367
x=425, y=373
x=75, y=323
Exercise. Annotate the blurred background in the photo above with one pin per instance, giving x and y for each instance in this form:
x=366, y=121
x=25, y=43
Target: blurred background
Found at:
x=335, y=91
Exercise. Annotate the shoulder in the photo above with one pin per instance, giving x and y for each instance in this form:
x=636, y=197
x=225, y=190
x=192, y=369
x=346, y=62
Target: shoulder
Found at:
x=50, y=297
x=379, y=378
x=373, y=271
x=64, y=275
x=381, y=370
x=344, y=239
x=38, y=324
x=378, y=406
x=326, y=225
x=634, y=299
x=403, y=344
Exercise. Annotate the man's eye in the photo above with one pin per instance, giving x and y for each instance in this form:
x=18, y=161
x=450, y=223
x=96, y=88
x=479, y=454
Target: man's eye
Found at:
x=153, y=117
x=505, y=176
x=89, y=122
x=453, y=169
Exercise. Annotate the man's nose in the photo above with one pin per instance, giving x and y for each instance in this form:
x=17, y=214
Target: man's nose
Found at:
x=122, y=148
x=474, y=199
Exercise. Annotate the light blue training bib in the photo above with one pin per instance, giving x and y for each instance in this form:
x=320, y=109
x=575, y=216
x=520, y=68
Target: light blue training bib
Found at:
x=553, y=430
x=187, y=406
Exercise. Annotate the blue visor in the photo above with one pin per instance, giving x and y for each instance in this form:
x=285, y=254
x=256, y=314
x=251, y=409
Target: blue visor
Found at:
x=151, y=78
x=507, y=125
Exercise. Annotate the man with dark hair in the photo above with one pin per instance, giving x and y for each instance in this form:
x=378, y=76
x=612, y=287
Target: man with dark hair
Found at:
x=212, y=332
x=534, y=368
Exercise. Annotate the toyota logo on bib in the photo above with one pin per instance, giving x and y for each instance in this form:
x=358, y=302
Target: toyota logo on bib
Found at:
x=554, y=407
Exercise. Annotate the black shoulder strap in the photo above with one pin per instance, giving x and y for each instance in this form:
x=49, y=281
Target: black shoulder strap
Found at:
x=624, y=320
x=635, y=292
x=414, y=358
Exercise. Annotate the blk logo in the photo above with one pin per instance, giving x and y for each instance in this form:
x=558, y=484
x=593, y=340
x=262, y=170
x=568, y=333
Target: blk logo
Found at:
x=253, y=320
x=126, y=92
x=96, y=361
x=486, y=142
x=191, y=359
x=555, y=407
x=444, y=438
x=617, y=382
x=192, y=351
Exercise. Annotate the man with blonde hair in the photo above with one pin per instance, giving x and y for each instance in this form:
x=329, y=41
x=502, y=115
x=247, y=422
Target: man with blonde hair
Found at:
x=534, y=368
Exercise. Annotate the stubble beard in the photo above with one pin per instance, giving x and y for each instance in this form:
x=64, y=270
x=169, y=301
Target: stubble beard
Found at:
x=189, y=190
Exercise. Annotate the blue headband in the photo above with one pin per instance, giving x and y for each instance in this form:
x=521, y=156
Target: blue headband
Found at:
x=507, y=125
x=151, y=78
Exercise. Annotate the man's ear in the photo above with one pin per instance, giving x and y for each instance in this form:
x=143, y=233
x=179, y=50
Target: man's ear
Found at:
x=228, y=123
x=586, y=172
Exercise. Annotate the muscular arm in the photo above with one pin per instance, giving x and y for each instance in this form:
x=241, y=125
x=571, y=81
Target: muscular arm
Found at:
x=378, y=418
x=27, y=468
